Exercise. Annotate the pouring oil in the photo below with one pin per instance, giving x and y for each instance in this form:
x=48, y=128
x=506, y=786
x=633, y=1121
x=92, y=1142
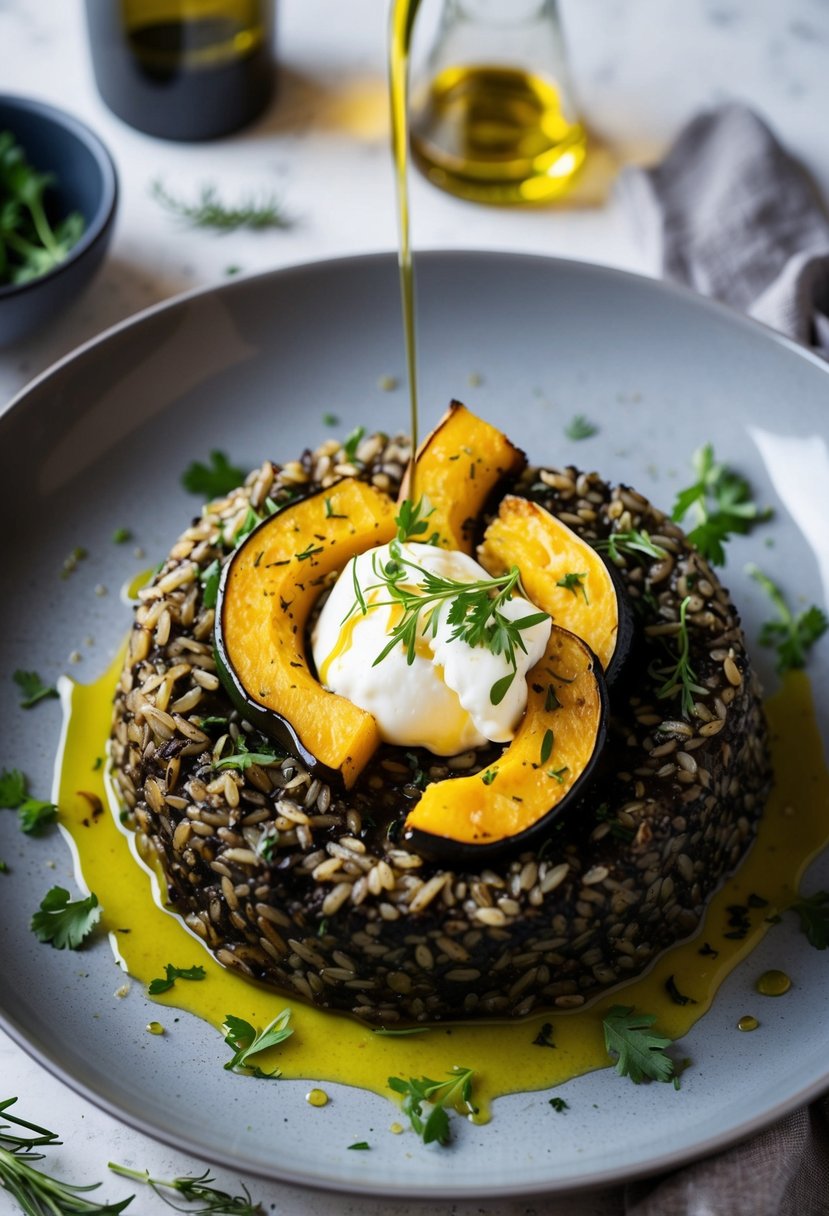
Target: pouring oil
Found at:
x=496, y=135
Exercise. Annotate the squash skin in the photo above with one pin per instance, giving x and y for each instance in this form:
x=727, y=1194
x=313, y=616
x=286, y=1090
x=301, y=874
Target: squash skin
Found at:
x=459, y=466
x=467, y=821
x=526, y=535
x=265, y=596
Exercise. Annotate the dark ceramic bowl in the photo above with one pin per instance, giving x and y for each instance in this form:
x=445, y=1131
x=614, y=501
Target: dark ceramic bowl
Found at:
x=85, y=181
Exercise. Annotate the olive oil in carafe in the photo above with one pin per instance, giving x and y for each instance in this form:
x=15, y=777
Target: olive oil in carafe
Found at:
x=497, y=135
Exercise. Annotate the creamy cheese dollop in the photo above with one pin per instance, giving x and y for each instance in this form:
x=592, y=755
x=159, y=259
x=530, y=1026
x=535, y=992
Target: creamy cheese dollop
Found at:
x=441, y=701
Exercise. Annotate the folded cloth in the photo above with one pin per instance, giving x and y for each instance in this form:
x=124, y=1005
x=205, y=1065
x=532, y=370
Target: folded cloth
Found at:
x=729, y=213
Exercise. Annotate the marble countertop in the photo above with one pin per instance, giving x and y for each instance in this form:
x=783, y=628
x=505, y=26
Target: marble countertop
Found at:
x=640, y=71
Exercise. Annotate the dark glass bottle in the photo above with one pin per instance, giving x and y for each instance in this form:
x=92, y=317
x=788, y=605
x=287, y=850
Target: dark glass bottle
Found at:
x=183, y=69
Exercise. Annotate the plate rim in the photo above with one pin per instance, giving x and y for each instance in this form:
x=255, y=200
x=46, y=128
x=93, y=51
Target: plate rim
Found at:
x=658, y=1163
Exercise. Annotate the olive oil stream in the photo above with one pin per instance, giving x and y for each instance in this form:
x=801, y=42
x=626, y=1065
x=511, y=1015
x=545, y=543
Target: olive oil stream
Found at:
x=334, y=1047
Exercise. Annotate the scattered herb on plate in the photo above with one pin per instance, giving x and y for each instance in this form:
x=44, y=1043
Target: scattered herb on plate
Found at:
x=455, y=1094
x=792, y=636
x=722, y=505
x=34, y=815
x=352, y=442
x=213, y=480
x=580, y=427
x=246, y=1041
x=813, y=912
x=558, y=1104
x=360, y=1146
x=680, y=676
x=209, y=211
x=173, y=973
x=121, y=535
x=65, y=923
x=13, y=786
x=32, y=688
x=640, y=1053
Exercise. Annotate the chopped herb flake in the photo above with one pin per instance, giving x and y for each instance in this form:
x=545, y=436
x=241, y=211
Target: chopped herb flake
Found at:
x=32, y=688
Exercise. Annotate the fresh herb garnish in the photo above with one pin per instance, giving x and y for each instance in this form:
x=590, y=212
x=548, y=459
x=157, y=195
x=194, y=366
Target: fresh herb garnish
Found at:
x=12, y=788
x=352, y=442
x=456, y=1093
x=246, y=1041
x=34, y=815
x=473, y=608
x=70, y=563
x=813, y=912
x=121, y=535
x=213, y=480
x=680, y=676
x=558, y=1104
x=557, y=774
x=405, y=1031
x=360, y=1146
x=32, y=688
x=30, y=245
x=174, y=973
x=792, y=636
x=330, y=420
x=580, y=427
x=546, y=746
x=575, y=583
x=489, y=776
x=4, y=869
x=243, y=758
x=722, y=505
x=635, y=541
x=544, y=1038
x=641, y=1054
x=64, y=923
x=37, y=1193
x=330, y=513
x=198, y=1189
x=209, y=579
x=413, y=521
x=208, y=211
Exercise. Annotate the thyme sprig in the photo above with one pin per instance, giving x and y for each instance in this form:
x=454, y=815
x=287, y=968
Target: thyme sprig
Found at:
x=209, y=211
x=473, y=609
x=680, y=676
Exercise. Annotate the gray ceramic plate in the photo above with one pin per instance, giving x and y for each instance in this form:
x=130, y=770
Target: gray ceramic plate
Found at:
x=100, y=441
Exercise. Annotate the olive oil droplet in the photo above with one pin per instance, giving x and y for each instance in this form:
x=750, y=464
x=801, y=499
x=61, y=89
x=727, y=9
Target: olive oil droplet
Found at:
x=396, y=1128
x=773, y=983
x=317, y=1097
x=154, y=1028
x=747, y=1022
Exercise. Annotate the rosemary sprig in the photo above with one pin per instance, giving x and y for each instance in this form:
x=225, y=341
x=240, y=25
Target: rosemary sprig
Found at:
x=198, y=1189
x=208, y=211
x=680, y=677
x=37, y=1193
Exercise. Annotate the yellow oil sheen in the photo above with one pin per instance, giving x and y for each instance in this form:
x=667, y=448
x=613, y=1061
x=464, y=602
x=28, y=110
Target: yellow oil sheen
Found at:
x=329, y=1047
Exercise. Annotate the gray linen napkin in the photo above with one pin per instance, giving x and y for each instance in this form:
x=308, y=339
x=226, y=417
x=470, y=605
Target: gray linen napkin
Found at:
x=729, y=213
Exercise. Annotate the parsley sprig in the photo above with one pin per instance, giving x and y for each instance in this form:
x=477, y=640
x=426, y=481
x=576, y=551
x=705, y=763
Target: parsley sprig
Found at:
x=455, y=1094
x=65, y=923
x=722, y=505
x=173, y=973
x=36, y=1193
x=680, y=676
x=242, y=758
x=640, y=1053
x=33, y=814
x=246, y=1041
x=195, y=1189
x=473, y=609
x=215, y=479
x=30, y=245
x=792, y=636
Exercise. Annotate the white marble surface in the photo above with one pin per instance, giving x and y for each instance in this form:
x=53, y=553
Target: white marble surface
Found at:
x=640, y=71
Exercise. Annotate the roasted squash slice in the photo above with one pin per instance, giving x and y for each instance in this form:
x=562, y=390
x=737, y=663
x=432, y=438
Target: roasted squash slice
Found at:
x=562, y=575
x=547, y=765
x=459, y=465
x=267, y=591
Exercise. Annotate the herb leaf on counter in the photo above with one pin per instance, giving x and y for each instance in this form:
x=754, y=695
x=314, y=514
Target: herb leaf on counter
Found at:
x=792, y=636
x=722, y=504
x=173, y=973
x=65, y=923
x=456, y=1094
x=246, y=1041
x=640, y=1053
x=198, y=1189
x=32, y=688
x=209, y=211
x=813, y=911
x=213, y=480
